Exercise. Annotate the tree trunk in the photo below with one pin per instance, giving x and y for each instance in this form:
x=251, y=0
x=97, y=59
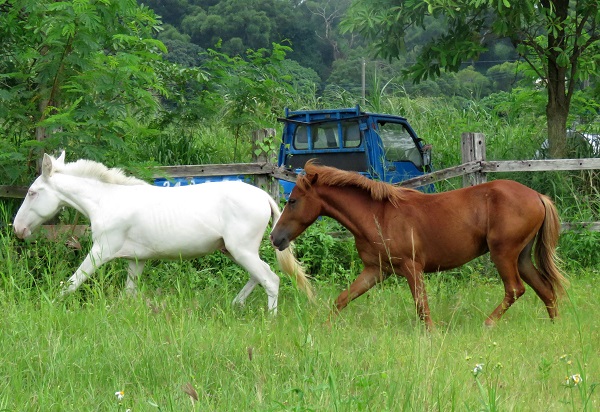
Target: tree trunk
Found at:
x=557, y=130
x=40, y=131
x=559, y=100
x=557, y=110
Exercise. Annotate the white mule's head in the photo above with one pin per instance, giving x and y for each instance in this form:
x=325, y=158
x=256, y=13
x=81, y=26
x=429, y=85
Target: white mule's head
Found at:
x=41, y=202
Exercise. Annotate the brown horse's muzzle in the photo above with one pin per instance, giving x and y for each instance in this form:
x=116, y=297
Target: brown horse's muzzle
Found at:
x=279, y=240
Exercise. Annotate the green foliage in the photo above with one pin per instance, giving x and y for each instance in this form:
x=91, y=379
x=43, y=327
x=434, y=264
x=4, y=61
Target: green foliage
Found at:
x=183, y=53
x=183, y=146
x=466, y=22
x=517, y=106
x=248, y=26
x=250, y=88
x=304, y=81
x=328, y=252
x=224, y=92
x=579, y=247
x=79, y=76
x=170, y=11
x=505, y=76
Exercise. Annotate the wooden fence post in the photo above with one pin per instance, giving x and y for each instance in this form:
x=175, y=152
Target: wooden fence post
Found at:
x=473, y=150
x=262, y=153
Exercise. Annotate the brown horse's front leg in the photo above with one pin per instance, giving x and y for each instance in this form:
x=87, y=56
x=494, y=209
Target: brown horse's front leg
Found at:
x=368, y=278
x=414, y=275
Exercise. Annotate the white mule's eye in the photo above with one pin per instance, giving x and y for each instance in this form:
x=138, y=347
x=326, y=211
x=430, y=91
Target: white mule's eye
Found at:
x=31, y=193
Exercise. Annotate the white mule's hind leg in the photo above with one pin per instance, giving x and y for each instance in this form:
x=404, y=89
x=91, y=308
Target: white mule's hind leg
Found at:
x=261, y=273
x=240, y=299
x=134, y=270
x=242, y=243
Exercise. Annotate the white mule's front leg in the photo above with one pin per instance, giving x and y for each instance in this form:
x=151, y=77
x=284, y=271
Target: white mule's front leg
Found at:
x=92, y=261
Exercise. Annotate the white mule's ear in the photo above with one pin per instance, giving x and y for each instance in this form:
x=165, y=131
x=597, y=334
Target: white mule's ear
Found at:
x=47, y=166
x=61, y=158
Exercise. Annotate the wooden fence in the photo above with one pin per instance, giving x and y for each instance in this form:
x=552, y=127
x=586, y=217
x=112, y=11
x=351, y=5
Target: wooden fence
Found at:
x=260, y=170
x=474, y=170
x=475, y=166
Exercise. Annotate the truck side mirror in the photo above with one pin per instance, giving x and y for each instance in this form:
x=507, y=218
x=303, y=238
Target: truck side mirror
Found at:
x=427, y=154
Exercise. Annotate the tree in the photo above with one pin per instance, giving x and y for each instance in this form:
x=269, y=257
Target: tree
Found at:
x=328, y=12
x=76, y=75
x=250, y=87
x=559, y=39
x=237, y=28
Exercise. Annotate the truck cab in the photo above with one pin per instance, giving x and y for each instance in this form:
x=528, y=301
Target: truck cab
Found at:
x=379, y=146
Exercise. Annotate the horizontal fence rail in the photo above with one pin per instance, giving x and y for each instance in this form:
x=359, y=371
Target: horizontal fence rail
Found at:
x=502, y=166
x=474, y=169
x=438, y=175
x=14, y=192
x=233, y=169
x=539, y=165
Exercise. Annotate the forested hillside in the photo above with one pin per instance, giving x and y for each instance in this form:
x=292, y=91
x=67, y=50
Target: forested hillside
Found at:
x=311, y=29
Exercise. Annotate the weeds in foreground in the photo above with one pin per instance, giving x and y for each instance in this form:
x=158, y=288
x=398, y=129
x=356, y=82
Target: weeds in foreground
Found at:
x=181, y=343
x=171, y=348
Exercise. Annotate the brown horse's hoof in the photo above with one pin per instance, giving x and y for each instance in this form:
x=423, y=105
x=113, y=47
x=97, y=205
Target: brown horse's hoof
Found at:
x=489, y=323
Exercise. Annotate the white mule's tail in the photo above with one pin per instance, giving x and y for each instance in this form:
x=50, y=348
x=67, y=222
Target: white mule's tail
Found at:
x=288, y=262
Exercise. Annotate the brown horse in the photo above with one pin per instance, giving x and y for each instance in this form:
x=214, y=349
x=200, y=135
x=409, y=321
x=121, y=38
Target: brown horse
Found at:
x=405, y=232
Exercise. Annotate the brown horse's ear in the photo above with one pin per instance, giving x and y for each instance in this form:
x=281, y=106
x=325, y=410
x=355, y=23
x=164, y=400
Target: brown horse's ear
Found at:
x=47, y=165
x=313, y=178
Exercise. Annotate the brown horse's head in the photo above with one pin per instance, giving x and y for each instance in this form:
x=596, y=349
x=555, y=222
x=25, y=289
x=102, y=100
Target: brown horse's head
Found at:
x=302, y=209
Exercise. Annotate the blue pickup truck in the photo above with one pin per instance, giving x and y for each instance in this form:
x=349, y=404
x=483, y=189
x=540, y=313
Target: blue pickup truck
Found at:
x=380, y=146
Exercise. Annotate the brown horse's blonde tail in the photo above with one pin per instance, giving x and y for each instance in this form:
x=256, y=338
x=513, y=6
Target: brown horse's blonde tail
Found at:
x=290, y=266
x=545, y=248
x=288, y=262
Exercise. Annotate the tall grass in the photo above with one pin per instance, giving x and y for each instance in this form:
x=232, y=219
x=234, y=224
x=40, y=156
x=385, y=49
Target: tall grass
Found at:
x=166, y=344
x=201, y=144
x=180, y=345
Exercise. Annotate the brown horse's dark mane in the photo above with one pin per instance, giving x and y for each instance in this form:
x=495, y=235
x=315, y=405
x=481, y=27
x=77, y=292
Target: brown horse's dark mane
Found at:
x=330, y=176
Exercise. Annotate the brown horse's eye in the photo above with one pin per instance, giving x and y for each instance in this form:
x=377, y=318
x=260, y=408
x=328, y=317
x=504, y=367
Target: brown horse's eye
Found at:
x=291, y=201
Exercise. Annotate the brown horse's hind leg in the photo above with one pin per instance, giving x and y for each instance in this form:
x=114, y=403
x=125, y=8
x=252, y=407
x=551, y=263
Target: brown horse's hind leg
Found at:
x=368, y=278
x=533, y=278
x=513, y=285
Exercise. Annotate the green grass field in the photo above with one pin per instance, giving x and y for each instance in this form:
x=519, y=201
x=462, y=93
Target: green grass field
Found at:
x=183, y=348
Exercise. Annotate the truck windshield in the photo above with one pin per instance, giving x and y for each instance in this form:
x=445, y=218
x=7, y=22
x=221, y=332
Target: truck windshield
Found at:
x=327, y=136
x=398, y=144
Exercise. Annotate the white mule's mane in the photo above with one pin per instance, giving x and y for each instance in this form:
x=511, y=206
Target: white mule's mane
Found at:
x=95, y=170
